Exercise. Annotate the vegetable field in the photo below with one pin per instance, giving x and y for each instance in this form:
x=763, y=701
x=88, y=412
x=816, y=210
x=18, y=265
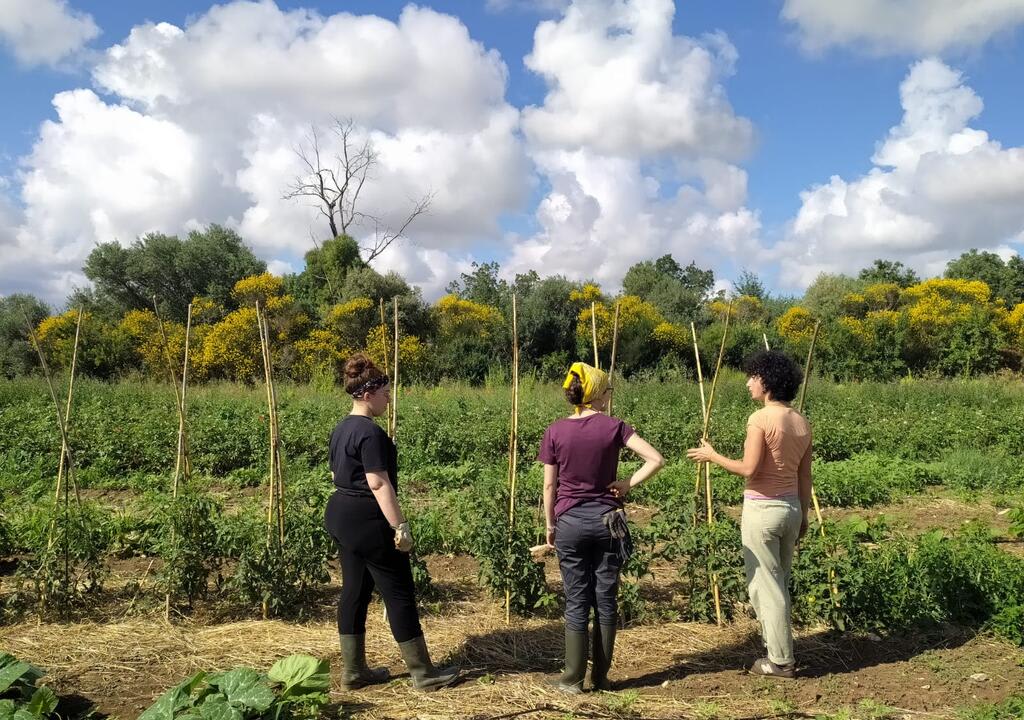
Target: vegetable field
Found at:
x=138, y=602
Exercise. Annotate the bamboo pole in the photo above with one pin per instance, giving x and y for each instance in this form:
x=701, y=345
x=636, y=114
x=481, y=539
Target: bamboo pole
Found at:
x=387, y=362
x=183, y=465
x=707, y=466
x=394, y=380
x=513, y=446
x=703, y=410
x=611, y=367
x=169, y=364
x=67, y=408
x=766, y=346
x=70, y=480
x=593, y=333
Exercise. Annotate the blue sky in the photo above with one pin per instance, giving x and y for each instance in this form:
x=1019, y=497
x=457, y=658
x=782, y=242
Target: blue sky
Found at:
x=820, y=98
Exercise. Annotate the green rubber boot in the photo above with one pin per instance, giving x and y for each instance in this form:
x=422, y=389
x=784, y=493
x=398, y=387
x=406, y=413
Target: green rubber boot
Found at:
x=355, y=673
x=422, y=671
x=604, y=647
x=571, y=681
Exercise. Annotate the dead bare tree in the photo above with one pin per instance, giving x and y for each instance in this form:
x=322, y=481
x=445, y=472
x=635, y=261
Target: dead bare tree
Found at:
x=335, y=184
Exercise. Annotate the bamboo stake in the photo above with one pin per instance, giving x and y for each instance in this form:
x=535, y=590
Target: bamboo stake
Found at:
x=275, y=420
x=181, y=460
x=394, y=380
x=513, y=446
x=765, y=336
x=707, y=467
x=183, y=463
x=611, y=367
x=387, y=369
x=703, y=410
x=67, y=408
x=69, y=458
x=593, y=332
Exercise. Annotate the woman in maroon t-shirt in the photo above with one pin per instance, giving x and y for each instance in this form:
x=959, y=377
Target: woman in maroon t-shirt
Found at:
x=585, y=521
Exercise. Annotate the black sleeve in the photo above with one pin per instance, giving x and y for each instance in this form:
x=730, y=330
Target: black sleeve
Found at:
x=373, y=451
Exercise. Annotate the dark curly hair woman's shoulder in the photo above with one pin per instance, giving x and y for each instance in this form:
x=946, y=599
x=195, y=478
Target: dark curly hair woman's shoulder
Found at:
x=779, y=374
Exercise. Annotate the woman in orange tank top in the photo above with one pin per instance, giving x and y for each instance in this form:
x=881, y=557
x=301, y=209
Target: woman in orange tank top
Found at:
x=777, y=466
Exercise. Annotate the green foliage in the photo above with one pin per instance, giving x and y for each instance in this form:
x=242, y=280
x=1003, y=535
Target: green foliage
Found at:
x=504, y=555
x=1010, y=709
x=206, y=263
x=20, y=697
x=188, y=547
x=296, y=686
x=888, y=271
x=868, y=479
x=17, y=356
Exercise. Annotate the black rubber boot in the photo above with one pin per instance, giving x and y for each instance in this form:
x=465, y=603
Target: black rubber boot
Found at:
x=604, y=647
x=571, y=681
x=355, y=673
x=422, y=671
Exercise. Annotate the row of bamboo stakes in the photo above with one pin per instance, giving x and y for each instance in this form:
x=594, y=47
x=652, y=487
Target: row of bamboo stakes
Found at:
x=66, y=480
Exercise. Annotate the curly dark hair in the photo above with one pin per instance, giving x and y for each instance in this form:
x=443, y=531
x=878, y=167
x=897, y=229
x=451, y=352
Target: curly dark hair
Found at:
x=778, y=373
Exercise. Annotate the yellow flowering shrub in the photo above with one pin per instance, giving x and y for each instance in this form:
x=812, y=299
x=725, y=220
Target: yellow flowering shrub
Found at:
x=456, y=316
x=585, y=295
x=1015, y=324
x=796, y=326
x=320, y=353
x=144, y=332
x=637, y=321
x=670, y=336
x=232, y=348
x=352, y=320
x=262, y=288
x=745, y=308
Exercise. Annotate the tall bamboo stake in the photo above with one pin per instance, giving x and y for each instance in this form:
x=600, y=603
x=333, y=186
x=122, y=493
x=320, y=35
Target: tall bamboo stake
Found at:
x=67, y=408
x=181, y=460
x=704, y=436
x=513, y=446
x=183, y=456
x=593, y=333
x=394, y=380
x=70, y=480
x=766, y=346
x=387, y=361
x=611, y=367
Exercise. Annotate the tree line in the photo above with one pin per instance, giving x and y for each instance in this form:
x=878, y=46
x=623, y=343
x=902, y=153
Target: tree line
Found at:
x=881, y=324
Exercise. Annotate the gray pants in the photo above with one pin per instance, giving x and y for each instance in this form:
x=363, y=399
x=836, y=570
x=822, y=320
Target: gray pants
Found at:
x=770, y=529
x=590, y=565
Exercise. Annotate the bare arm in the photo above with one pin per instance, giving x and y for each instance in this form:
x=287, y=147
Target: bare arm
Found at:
x=550, y=491
x=386, y=498
x=653, y=462
x=804, y=478
x=753, y=449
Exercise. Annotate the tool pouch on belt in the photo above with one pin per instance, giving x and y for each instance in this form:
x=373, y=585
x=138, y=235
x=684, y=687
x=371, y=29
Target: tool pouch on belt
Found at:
x=615, y=521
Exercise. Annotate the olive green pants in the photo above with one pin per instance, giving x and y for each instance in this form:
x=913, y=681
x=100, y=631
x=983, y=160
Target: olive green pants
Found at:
x=770, y=529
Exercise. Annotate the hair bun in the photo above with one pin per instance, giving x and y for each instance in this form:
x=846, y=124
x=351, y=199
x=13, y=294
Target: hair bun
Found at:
x=356, y=365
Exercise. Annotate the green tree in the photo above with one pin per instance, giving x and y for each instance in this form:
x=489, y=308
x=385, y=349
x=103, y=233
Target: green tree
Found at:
x=17, y=357
x=322, y=281
x=482, y=286
x=547, y=324
x=176, y=271
x=750, y=284
x=1005, y=278
x=888, y=271
x=824, y=297
x=677, y=292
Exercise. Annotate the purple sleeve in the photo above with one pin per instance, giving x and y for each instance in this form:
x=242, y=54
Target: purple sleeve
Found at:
x=625, y=432
x=547, y=449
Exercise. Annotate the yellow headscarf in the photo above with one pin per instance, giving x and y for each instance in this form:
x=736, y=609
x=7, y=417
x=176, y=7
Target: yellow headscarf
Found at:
x=594, y=381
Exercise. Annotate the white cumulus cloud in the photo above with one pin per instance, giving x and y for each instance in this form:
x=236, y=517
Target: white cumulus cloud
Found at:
x=200, y=124
x=938, y=187
x=919, y=27
x=638, y=144
x=43, y=32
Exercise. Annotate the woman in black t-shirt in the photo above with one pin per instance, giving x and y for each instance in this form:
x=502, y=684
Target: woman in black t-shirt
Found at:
x=365, y=520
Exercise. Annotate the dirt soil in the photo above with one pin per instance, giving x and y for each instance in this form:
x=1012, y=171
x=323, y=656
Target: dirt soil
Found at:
x=121, y=662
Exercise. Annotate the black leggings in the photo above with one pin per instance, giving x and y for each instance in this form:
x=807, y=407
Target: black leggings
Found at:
x=369, y=559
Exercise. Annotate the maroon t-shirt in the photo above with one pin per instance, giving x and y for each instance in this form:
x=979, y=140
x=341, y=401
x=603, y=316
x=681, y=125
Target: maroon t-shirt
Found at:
x=586, y=452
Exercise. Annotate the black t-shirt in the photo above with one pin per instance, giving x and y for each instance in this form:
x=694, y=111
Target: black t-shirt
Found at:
x=358, y=446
